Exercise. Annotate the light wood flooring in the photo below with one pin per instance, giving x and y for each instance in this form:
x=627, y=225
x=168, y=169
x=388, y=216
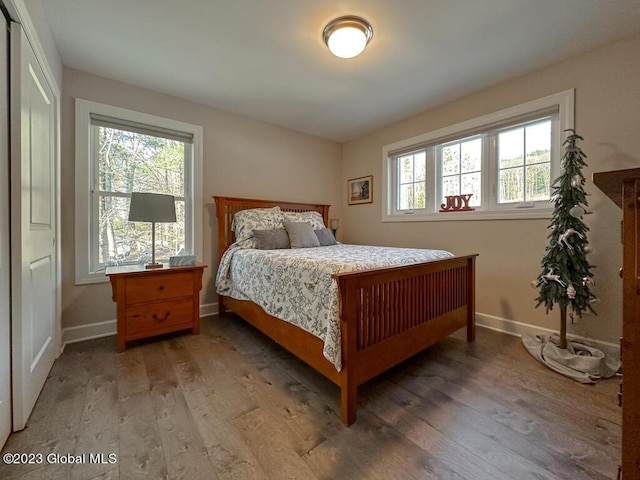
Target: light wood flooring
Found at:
x=231, y=404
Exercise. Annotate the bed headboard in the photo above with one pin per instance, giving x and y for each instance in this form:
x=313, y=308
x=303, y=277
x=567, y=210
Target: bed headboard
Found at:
x=227, y=207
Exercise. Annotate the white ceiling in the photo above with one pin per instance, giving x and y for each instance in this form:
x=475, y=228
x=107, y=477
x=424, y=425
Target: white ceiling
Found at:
x=265, y=58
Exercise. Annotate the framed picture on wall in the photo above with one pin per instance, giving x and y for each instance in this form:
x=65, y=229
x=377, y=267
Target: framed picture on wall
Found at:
x=360, y=190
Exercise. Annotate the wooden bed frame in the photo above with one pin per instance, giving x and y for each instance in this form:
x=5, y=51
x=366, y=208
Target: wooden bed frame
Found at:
x=387, y=315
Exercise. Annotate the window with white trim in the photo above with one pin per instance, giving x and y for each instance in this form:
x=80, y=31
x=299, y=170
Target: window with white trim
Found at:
x=460, y=164
x=118, y=152
x=505, y=161
x=411, y=180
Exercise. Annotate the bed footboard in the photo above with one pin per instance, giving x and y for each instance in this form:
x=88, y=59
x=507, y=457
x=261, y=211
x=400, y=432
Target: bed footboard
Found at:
x=389, y=315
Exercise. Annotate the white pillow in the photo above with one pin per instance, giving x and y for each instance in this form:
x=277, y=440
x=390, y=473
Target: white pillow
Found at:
x=312, y=217
x=246, y=221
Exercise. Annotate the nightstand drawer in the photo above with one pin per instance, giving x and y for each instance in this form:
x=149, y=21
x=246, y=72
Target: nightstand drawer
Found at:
x=158, y=287
x=159, y=316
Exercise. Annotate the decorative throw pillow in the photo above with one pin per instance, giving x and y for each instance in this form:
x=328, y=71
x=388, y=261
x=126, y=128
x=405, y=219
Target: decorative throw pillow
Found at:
x=314, y=218
x=246, y=221
x=301, y=235
x=274, y=239
x=325, y=237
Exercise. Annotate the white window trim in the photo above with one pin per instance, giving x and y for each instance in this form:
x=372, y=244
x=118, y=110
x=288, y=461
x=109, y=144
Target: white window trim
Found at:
x=84, y=109
x=564, y=101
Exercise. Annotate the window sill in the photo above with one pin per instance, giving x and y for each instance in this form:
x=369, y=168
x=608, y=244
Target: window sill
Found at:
x=91, y=278
x=511, y=214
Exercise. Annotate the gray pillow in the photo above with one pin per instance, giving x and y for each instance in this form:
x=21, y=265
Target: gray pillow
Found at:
x=325, y=237
x=301, y=235
x=273, y=239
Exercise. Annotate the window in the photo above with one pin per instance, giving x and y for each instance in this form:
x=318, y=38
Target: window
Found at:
x=119, y=151
x=506, y=161
x=524, y=162
x=411, y=181
x=461, y=166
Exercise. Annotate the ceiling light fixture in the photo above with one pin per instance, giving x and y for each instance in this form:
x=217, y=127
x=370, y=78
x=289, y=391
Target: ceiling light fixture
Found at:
x=347, y=37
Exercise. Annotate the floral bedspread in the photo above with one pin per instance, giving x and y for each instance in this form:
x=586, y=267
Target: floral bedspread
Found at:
x=295, y=285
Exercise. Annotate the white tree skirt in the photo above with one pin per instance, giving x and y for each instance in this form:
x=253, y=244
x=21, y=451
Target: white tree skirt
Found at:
x=581, y=362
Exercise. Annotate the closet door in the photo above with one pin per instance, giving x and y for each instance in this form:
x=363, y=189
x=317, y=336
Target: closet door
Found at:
x=33, y=227
x=5, y=318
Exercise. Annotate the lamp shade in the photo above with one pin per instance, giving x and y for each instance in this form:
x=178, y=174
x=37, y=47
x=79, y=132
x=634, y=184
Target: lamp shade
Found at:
x=334, y=223
x=152, y=207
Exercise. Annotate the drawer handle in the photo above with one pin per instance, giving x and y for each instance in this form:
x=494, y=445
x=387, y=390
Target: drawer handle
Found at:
x=161, y=287
x=158, y=319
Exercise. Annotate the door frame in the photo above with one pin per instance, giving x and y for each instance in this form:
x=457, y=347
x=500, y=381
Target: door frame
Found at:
x=6, y=414
x=19, y=13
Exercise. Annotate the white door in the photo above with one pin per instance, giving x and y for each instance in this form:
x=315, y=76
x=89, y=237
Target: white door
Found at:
x=33, y=227
x=5, y=311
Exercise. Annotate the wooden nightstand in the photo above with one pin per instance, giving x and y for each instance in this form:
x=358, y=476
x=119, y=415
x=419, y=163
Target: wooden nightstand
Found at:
x=152, y=302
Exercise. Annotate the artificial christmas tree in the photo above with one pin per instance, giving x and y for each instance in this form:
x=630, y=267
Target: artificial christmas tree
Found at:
x=566, y=277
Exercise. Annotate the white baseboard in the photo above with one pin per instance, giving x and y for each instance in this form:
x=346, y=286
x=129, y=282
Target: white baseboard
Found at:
x=512, y=327
x=208, y=309
x=109, y=327
x=88, y=332
x=503, y=325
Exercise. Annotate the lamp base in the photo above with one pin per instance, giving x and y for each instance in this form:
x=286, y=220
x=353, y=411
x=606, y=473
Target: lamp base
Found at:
x=150, y=266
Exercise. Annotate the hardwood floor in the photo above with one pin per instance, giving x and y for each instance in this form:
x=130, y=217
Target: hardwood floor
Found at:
x=231, y=404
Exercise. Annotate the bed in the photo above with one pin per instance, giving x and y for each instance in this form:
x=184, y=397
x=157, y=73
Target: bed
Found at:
x=386, y=315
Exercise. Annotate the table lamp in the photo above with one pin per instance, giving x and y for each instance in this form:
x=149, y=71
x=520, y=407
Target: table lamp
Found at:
x=152, y=207
x=333, y=225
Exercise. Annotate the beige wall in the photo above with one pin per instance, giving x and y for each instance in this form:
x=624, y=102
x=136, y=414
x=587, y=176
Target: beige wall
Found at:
x=242, y=157
x=607, y=116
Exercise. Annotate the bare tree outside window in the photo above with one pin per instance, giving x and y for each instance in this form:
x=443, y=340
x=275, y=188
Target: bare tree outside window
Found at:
x=524, y=163
x=461, y=169
x=412, y=181
x=130, y=161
